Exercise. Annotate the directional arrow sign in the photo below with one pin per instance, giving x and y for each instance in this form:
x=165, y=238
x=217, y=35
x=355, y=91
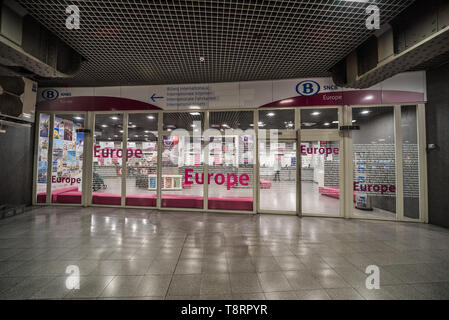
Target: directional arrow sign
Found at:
x=154, y=97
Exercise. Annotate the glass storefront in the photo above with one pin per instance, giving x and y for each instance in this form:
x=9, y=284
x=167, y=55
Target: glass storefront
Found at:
x=182, y=164
x=206, y=160
x=63, y=174
x=67, y=160
x=374, y=158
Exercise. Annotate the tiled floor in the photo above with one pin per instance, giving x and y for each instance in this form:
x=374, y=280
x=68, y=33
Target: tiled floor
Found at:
x=141, y=254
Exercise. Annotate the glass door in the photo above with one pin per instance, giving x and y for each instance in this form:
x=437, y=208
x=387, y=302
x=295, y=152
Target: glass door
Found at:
x=321, y=187
x=278, y=176
x=321, y=149
x=108, y=159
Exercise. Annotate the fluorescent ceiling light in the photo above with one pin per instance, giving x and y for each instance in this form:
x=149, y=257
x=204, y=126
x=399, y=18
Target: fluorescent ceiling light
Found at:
x=150, y=117
x=77, y=118
x=114, y=118
x=195, y=113
x=354, y=121
x=316, y=113
x=335, y=121
x=104, y=125
x=365, y=112
x=327, y=124
x=271, y=114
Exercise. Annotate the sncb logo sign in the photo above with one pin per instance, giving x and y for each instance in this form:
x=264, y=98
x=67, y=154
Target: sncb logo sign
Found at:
x=308, y=88
x=50, y=94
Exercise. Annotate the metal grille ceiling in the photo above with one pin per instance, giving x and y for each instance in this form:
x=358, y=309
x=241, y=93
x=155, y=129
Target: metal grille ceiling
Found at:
x=160, y=42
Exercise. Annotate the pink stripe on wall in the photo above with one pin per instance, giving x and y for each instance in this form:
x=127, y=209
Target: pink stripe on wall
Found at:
x=92, y=103
x=351, y=97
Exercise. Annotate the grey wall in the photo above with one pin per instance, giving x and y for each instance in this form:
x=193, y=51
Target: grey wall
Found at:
x=437, y=124
x=16, y=165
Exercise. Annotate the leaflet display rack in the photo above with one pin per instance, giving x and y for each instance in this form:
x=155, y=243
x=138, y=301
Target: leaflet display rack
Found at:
x=169, y=182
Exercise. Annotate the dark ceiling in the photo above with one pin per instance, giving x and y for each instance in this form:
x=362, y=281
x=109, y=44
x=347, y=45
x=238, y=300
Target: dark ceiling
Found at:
x=160, y=42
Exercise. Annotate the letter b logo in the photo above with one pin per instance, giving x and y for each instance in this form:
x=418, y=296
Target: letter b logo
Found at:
x=308, y=88
x=50, y=94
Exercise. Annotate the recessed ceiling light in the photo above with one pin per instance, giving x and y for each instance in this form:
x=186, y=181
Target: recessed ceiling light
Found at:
x=271, y=114
x=316, y=113
x=104, y=125
x=354, y=121
x=308, y=124
x=150, y=117
x=114, y=118
x=78, y=118
x=195, y=113
x=335, y=121
x=365, y=112
x=327, y=124
x=121, y=131
x=147, y=131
